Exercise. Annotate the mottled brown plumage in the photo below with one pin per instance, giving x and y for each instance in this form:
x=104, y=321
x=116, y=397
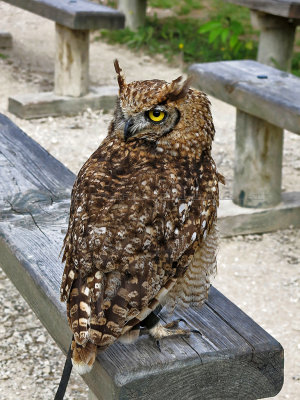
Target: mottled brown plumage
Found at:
x=143, y=214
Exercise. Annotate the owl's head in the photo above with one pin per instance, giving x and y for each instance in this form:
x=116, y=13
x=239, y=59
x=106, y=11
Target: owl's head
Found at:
x=156, y=111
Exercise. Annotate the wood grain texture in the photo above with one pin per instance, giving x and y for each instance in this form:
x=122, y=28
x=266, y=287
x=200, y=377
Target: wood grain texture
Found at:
x=30, y=165
x=276, y=39
x=79, y=14
x=257, y=162
x=232, y=357
x=71, y=77
x=234, y=220
x=39, y=105
x=5, y=40
x=275, y=99
x=283, y=8
x=134, y=11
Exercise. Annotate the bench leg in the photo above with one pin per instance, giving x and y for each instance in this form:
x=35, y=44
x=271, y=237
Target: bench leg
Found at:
x=258, y=162
x=92, y=396
x=5, y=40
x=276, y=42
x=135, y=12
x=71, y=62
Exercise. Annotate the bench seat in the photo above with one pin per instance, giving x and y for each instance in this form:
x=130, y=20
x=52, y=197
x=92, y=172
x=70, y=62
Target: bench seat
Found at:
x=74, y=19
x=74, y=14
x=255, y=88
x=282, y=8
x=267, y=101
x=233, y=358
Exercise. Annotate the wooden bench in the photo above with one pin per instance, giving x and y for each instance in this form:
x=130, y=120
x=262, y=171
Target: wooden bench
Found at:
x=73, y=21
x=267, y=101
x=234, y=358
x=277, y=21
x=134, y=11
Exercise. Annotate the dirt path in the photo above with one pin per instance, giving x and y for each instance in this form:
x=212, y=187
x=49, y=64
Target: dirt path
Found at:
x=260, y=273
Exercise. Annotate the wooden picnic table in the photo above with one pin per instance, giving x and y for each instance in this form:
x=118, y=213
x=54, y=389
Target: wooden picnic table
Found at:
x=267, y=101
x=134, y=11
x=232, y=358
x=277, y=21
x=74, y=20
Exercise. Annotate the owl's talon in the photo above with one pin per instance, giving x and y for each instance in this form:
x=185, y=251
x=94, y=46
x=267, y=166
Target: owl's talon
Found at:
x=160, y=331
x=196, y=331
x=144, y=331
x=175, y=323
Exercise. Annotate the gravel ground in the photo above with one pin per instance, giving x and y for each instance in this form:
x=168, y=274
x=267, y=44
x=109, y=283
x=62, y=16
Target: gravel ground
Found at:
x=260, y=273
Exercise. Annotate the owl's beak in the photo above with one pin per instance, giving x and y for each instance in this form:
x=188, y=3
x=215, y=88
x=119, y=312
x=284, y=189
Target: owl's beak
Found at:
x=127, y=129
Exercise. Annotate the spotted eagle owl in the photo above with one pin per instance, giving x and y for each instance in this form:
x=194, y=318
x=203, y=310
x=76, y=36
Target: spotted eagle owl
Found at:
x=142, y=228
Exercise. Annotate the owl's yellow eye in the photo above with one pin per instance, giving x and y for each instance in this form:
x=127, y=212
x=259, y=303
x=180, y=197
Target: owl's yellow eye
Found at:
x=156, y=115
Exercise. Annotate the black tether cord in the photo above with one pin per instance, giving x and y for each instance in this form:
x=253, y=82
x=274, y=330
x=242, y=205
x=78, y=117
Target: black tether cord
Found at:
x=65, y=377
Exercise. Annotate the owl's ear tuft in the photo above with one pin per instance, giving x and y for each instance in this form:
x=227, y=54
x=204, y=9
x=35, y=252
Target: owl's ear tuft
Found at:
x=120, y=76
x=179, y=90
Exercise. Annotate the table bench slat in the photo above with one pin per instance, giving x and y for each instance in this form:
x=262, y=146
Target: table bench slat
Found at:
x=275, y=99
x=22, y=158
x=219, y=365
x=283, y=8
x=79, y=14
x=222, y=356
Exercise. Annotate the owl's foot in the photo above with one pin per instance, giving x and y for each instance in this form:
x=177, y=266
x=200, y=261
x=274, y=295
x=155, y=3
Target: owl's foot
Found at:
x=159, y=331
x=175, y=323
x=172, y=329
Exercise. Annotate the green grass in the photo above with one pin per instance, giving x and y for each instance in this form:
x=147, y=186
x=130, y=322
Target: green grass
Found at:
x=221, y=9
x=180, y=7
x=180, y=37
x=225, y=34
x=174, y=36
x=164, y=3
x=169, y=37
x=296, y=64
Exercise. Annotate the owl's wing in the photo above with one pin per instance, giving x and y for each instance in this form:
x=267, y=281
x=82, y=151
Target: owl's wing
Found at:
x=191, y=289
x=129, y=239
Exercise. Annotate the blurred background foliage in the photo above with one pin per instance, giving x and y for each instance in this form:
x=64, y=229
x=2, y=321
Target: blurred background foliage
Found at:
x=188, y=31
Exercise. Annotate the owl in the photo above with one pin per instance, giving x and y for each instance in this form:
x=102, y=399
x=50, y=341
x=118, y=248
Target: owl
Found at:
x=142, y=229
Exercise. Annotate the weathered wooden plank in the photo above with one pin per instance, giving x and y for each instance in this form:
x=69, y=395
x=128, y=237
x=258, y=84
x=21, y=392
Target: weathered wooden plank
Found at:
x=75, y=14
x=257, y=162
x=71, y=77
x=29, y=165
x=220, y=364
x=195, y=368
x=5, y=40
x=276, y=39
x=234, y=220
x=39, y=105
x=134, y=11
x=254, y=88
x=239, y=321
x=284, y=8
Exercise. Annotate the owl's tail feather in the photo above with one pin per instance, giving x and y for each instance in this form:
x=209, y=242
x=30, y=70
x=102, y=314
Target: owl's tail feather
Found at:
x=64, y=380
x=83, y=357
x=79, y=357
